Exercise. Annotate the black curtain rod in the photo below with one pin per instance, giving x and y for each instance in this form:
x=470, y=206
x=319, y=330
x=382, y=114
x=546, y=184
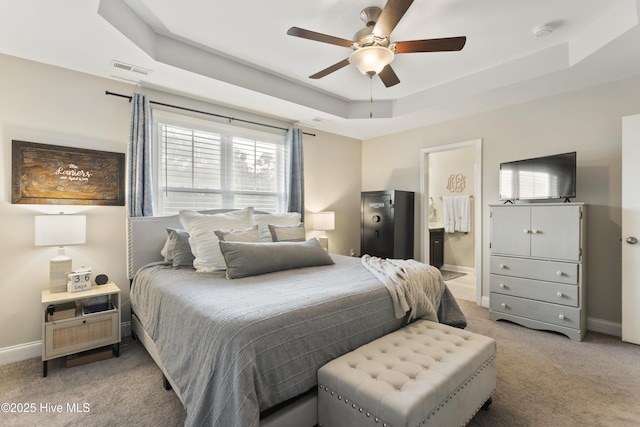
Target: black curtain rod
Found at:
x=205, y=112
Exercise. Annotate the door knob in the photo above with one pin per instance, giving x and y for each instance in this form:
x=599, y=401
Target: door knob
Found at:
x=632, y=240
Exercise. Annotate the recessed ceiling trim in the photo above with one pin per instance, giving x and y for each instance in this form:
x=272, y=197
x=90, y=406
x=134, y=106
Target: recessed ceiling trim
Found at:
x=170, y=51
x=604, y=30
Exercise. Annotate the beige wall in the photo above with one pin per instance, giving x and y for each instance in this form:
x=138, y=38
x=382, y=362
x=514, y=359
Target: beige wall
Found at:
x=332, y=173
x=587, y=121
x=51, y=105
x=459, y=248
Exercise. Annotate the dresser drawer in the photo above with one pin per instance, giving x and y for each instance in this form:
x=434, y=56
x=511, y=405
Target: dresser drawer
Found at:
x=77, y=334
x=549, y=271
x=560, y=315
x=557, y=293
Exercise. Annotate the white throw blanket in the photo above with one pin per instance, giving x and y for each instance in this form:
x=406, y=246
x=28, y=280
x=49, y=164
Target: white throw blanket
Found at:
x=415, y=287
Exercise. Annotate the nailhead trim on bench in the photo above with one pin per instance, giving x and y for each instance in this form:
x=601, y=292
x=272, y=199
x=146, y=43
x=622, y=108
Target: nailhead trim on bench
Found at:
x=438, y=407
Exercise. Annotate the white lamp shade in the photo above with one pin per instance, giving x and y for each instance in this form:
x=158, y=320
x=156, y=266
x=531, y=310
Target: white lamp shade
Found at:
x=371, y=59
x=324, y=221
x=60, y=230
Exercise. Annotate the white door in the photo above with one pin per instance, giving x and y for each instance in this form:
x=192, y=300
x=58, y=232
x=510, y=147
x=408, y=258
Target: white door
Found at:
x=631, y=229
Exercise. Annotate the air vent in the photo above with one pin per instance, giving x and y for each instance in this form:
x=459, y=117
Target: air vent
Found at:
x=129, y=72
x=131, y=68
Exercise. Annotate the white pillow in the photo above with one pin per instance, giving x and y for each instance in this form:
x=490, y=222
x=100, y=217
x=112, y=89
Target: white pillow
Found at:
x=202, y=239
x=264, y=220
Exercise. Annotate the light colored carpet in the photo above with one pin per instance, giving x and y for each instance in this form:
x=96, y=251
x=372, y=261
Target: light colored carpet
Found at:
x=115, y=392
x=543, y=379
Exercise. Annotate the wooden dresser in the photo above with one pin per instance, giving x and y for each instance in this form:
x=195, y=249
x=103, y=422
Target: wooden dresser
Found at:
x=537, y=260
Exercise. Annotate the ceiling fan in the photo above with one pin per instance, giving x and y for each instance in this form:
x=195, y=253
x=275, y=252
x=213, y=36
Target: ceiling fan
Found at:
x=372, y=49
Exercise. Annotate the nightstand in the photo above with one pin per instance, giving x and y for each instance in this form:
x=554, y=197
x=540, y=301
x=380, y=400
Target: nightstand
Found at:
x=70, y=331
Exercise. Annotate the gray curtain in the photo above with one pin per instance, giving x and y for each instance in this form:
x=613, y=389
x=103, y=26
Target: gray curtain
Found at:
x=139, y=159
x=294, y=171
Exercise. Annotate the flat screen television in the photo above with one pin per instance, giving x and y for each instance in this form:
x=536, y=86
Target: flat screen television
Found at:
x=540, y=178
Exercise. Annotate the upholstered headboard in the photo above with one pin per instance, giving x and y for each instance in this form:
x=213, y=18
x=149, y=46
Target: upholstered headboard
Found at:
x=146, y=236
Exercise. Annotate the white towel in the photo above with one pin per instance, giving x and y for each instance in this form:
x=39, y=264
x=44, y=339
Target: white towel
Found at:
x=432, y=209
x=457, y=214
x=463, y=213
x=449, y=214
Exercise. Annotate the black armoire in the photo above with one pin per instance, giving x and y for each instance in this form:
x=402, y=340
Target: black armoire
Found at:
x=386, y=224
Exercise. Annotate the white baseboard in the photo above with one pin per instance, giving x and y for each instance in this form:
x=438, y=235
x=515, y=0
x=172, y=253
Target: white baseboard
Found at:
x=19, y=352
x=485, y=302
x=604, y=326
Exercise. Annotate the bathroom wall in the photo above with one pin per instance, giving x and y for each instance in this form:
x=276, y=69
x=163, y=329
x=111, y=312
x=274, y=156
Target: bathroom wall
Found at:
x=452, y=173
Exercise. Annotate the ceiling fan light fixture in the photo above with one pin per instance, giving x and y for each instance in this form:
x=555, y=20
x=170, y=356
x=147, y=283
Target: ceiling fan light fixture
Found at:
x=370, y=60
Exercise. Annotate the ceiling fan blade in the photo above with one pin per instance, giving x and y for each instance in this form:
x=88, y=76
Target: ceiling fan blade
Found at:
x=319, y=37
x=392, y=13
x=331, y=69
x=388, y=76
x=431, y=45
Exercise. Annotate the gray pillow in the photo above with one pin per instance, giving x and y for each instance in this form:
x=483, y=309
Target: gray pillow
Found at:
x=287, y=233
x=247, y=235
x=245, y=259
x=177, y=250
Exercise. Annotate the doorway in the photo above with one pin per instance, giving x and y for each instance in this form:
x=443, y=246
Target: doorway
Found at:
x=431, y=197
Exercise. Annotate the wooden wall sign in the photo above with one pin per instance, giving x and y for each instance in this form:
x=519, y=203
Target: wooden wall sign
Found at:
x=50, y=174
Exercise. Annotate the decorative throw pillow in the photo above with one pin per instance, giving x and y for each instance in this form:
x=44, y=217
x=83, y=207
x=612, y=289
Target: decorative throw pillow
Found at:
x=176, y=249
x=287, y=233
x=263, y=221
x=203, y=240
x=247, y=235
x=251, y=259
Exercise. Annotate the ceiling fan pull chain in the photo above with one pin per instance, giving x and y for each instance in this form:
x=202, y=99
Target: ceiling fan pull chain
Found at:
x=371, y=95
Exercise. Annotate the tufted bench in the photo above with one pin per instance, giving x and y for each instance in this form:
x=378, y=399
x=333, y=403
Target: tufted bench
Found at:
x=426, y=373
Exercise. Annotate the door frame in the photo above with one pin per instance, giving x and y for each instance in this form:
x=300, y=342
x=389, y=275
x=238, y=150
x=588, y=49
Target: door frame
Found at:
x=424, y=205
x=630, y=303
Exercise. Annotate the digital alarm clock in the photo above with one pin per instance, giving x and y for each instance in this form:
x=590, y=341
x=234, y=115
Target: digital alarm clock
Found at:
x=79, y=280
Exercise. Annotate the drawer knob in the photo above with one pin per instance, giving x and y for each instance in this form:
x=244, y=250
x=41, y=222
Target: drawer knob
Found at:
x=560, y=294
x=558, y=273
x=526, y=231
x=501, y=266
x=561, y=317
x=534, y=231
x=501, y=285
x=503, y=305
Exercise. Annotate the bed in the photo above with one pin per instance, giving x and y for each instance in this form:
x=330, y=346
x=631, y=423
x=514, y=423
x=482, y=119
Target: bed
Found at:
x=245, y=351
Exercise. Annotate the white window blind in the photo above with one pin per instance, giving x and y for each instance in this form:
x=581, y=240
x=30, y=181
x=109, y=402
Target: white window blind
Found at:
x=203, y=165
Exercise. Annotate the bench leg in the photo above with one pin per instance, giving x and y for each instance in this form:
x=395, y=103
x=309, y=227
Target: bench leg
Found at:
x=486, y=405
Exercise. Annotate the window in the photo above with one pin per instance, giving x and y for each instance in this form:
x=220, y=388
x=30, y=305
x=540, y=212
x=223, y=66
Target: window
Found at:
x=207, y=165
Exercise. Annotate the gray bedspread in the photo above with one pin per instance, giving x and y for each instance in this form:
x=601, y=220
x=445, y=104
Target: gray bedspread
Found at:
x=237, y=347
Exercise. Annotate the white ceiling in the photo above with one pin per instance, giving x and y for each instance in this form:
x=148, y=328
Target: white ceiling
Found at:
x=237, y=53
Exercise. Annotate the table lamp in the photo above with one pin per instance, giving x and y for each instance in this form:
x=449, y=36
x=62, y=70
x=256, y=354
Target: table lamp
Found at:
x=323, y=221
x=60, y=230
